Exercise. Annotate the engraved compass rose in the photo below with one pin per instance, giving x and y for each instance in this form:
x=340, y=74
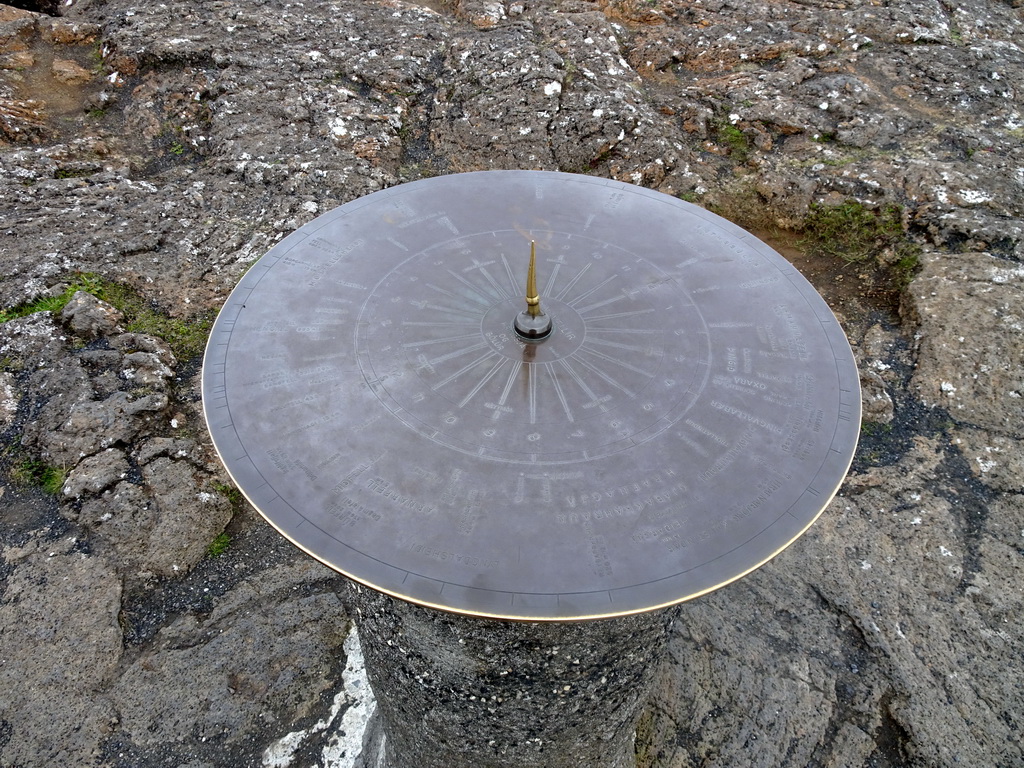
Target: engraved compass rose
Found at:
x=604, y=377
x=661, y=406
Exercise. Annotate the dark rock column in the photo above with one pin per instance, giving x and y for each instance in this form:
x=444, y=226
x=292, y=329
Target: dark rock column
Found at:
x=457, y=691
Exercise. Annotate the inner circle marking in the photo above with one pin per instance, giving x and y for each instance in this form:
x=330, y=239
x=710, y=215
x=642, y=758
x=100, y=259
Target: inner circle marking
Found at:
x=568, y=332
x=610, y=376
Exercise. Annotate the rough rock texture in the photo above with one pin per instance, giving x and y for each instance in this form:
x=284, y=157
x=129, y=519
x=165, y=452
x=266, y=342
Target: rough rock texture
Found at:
x=266, y=652
x=461, y=691
x=901, y=603
x=979, y=382
x=61, y=644
x=89, y=317
x=165, y=146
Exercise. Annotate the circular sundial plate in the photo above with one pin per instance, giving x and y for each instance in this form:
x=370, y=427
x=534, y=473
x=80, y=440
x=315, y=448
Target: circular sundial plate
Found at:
x=693, y=410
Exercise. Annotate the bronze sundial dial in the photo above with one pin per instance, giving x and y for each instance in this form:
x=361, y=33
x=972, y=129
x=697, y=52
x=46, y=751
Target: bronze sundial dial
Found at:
x=672, y=407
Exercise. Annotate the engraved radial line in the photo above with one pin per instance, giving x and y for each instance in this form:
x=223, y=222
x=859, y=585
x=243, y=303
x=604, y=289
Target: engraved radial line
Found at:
x=511, y=274
x=622, y=330
x=612, y=300
x=617, y=345
x=596, y=288
x=531, y=383
x=476, y=289
x=572, y=282
x=508, y=384
x=439, y=323
x=458, y=353
x=451, y=310
x=463, y=370
x=598, y=372
x=494, y=283
x=487, y=377
x=456, y=296
x=551, y=279
x=558, y=391
x=445, y=340
x=620, y=314
x=576, y=377
x=615, y=360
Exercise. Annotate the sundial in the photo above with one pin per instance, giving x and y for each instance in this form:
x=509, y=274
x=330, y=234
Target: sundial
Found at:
x=531, y=395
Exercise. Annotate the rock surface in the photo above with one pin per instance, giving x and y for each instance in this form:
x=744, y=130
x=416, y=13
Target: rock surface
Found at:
x=162, y=147
x=461, y=692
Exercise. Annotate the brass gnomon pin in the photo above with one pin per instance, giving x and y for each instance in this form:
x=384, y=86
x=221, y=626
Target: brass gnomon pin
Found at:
x=532, y=324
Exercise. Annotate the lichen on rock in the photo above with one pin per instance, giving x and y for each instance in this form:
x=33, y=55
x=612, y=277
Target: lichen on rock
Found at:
x=204, y=133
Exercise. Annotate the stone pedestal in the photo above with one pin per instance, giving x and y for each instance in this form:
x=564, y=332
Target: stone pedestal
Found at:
x=457, y=691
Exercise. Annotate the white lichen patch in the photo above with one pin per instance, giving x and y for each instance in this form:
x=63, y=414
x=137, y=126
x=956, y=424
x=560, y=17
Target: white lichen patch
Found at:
x=355, y=698
x=986, y=465
x=8, y=399
x=553, y=88
x=25, y=333
x=974, y=196
x=338, y=127
x=1002, y=276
